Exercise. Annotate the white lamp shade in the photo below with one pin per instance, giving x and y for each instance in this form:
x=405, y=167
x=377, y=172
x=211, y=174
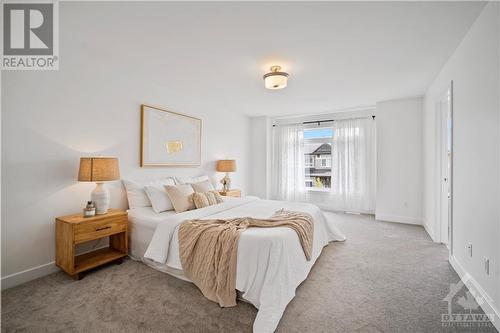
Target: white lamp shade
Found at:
x=276, y=81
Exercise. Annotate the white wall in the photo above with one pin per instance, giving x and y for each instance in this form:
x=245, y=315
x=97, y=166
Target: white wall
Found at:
x=91, y=106
x=474, y=69
x=260, y=131
x=399, y=161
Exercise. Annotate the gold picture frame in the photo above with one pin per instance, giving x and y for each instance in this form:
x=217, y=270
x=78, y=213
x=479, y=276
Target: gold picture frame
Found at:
x=169, y=138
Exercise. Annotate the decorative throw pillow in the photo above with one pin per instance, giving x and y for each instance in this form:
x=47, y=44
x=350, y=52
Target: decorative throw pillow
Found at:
x=181, y=197
x=202, y=187
x=206, y=199
x=136, y=195
x=200, y=200
x=159, y=198
x=190, y=180
x=217, y=196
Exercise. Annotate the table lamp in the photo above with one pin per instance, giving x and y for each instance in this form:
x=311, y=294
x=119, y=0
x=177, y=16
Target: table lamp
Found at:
x=226, y=166
x=99, y=170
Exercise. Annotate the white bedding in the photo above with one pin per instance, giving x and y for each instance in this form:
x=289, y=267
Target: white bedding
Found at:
x=270, y=264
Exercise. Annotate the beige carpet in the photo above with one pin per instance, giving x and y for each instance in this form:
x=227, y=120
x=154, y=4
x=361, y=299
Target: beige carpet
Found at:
x=386, y=277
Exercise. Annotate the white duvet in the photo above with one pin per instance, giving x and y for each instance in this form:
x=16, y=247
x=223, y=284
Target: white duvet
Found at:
x=270, y=264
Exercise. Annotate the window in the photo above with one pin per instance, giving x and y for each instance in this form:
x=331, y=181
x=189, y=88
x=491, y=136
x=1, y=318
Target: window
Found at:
x=318, y=158
x=323, y=161
x=309, y=161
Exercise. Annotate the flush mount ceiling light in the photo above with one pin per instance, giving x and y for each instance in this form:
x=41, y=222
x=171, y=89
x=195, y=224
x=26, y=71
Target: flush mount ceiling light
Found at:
x=275, y=79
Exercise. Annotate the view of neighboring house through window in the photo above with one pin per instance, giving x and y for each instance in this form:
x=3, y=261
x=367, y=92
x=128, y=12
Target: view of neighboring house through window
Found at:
x=318, y=158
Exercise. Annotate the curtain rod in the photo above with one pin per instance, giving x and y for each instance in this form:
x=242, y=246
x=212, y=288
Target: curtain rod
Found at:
x=326, y=121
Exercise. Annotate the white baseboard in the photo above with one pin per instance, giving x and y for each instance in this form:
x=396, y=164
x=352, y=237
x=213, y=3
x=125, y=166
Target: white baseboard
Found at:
x=327, y=208
x=488, y=306
x=18, y=278
x=15, y=279
x=398, y=219
x=430, y=231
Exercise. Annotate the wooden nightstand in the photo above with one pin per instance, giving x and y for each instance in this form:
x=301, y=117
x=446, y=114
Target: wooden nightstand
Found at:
x=231, y=193
x=76, y=229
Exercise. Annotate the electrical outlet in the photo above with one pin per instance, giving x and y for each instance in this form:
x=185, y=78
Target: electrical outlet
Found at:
x=469, y=249
x=486, y=265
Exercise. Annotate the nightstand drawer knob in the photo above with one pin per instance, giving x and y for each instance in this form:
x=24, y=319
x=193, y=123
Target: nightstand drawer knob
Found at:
x=103, y=228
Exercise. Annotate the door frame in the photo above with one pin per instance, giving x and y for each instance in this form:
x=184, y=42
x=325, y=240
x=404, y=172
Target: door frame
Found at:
x=441, y=127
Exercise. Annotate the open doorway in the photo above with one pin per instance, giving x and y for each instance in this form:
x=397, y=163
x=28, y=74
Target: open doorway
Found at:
x=444, y=108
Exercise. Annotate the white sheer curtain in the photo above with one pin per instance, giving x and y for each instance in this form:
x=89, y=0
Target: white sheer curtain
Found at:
x=353, y=165
x=288, y=181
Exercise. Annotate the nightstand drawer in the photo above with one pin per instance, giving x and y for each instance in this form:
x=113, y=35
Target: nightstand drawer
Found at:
x=99, y=228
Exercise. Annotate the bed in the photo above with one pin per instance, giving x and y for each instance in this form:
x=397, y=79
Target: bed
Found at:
x=270, y=262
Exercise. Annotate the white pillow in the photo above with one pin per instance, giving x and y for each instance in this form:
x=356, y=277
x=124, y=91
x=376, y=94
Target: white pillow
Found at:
x=181, y=197
x=159, y=198
x=136, y=195
x=202, y=187
x=190, y=180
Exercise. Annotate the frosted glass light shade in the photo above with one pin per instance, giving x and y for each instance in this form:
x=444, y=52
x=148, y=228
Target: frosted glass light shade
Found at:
x=275, y=79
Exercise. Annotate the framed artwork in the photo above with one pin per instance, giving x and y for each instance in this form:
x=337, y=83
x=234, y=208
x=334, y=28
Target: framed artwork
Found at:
x=169, y=138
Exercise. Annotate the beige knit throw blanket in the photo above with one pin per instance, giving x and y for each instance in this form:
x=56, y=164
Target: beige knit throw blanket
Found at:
x=208, y=249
